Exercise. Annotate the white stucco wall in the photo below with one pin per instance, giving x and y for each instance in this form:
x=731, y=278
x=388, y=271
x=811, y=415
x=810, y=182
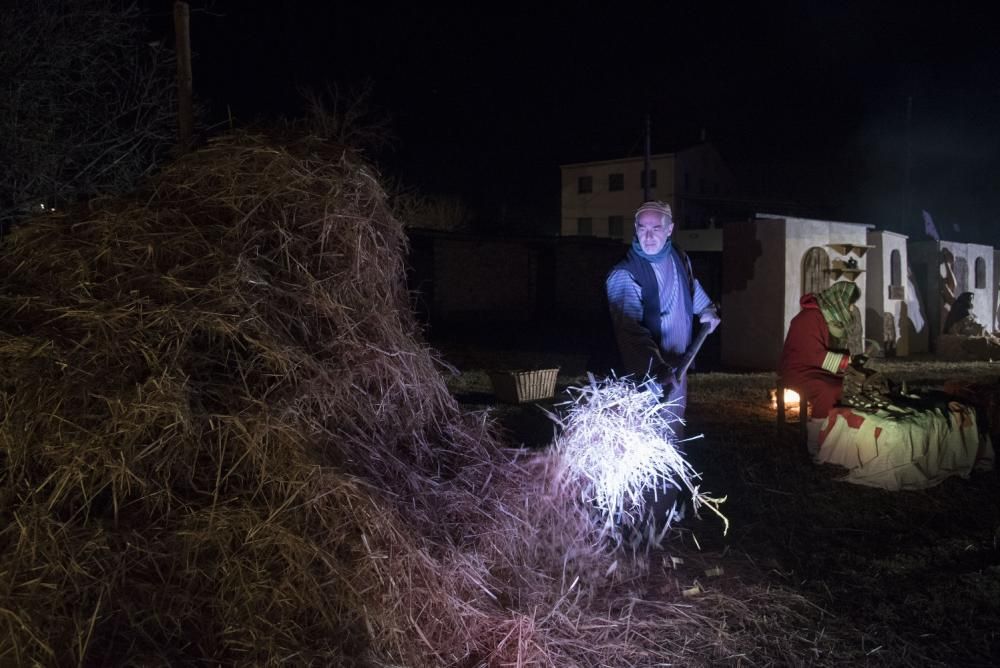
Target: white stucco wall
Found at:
x=982, y=297
x=758, y=308
x=996, y=290
x=925, y=257
x=804, y=233
x=878, y=301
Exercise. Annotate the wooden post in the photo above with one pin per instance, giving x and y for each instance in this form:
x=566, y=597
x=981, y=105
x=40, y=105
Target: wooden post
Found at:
x=185, y=114
x=646, y=187
x=779, y=397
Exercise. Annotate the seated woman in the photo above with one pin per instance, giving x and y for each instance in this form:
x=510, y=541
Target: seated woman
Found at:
x=815, y=355
x=900, y=441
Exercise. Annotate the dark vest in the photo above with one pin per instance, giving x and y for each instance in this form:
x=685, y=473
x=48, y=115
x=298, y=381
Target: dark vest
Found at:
x=604, y=354
x=642, y=271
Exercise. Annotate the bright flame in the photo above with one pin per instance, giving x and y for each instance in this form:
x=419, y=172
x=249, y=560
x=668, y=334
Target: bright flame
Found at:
x=791, y=399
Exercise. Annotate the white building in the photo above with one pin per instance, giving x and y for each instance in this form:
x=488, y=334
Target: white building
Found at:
x=945, y=267
x=768, y=264
x=894, y=311
x=600, y=198
x=996, y=290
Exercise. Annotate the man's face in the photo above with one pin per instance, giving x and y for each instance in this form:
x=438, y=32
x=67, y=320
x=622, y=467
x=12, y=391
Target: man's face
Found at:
x=653, y=229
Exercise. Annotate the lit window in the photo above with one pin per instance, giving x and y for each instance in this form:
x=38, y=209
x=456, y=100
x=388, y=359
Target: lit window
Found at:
x=616, y=182
x=584, y=227
x=585, y=184
x=616, y=227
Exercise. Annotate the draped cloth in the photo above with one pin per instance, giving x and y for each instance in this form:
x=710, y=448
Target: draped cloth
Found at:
x=909, y=452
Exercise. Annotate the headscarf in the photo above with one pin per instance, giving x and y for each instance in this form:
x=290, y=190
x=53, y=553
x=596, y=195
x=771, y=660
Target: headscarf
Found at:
x=835, y=303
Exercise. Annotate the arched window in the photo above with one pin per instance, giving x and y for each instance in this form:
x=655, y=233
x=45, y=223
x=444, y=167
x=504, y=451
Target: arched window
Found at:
x=980, y=273
x=895, y=269
x=815, y=270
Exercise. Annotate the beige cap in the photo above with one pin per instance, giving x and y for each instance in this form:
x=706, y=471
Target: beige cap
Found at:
x=659, y=207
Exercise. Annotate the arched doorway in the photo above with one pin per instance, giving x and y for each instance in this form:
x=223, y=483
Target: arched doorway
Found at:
x=815, y=270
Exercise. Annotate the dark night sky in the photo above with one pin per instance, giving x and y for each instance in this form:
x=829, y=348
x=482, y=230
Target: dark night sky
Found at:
x=487, y=101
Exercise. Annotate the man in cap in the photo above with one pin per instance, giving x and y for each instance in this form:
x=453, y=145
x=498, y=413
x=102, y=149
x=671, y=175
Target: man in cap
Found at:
x=654, y=297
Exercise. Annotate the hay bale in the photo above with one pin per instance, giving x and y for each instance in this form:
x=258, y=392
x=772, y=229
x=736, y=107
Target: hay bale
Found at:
x=224, y=442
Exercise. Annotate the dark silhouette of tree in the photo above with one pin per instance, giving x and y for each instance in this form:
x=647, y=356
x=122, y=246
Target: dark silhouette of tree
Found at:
x=86, y=103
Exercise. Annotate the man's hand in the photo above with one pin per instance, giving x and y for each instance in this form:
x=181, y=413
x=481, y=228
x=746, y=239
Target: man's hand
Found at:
x=859, y=361
x=711, y=318
x=667, y=379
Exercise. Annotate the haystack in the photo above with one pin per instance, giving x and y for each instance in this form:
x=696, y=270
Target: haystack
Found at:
x=223, y=442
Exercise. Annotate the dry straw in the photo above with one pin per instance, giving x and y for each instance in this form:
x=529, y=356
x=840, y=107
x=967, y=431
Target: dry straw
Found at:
x=619, y=439
x=222, y=441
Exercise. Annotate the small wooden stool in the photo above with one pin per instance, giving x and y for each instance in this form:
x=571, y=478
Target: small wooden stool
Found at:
x=803, y=410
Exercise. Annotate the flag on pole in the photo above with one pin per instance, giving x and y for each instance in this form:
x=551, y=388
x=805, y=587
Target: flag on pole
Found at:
x=929, y=227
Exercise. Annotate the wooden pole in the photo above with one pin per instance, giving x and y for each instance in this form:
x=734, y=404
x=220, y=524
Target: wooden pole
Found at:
x=646, y=187
x=185, y=114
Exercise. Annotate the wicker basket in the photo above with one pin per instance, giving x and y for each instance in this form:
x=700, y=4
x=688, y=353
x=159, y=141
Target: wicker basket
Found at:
x=518, y=387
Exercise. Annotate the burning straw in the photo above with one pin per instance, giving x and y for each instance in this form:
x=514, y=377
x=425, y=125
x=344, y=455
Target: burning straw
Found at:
x=618, y=442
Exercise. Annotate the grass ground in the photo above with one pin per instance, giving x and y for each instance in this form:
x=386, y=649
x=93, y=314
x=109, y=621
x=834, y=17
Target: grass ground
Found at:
x=906, y=578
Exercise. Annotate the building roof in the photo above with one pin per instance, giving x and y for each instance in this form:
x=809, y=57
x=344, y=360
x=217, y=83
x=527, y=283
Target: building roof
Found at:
x=775, y=216
x=640, y=158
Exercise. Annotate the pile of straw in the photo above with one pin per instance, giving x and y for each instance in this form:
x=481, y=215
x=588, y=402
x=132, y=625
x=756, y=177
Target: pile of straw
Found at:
x=222, y=441
x=619, y=444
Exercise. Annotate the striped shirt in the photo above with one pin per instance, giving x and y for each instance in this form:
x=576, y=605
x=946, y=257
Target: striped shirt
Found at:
x=640, y=354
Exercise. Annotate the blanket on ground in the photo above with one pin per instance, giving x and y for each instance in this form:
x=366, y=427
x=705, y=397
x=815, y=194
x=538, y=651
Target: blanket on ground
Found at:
x=914, y=451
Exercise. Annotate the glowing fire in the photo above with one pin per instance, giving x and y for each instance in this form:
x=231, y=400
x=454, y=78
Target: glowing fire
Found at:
x=791, y=399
